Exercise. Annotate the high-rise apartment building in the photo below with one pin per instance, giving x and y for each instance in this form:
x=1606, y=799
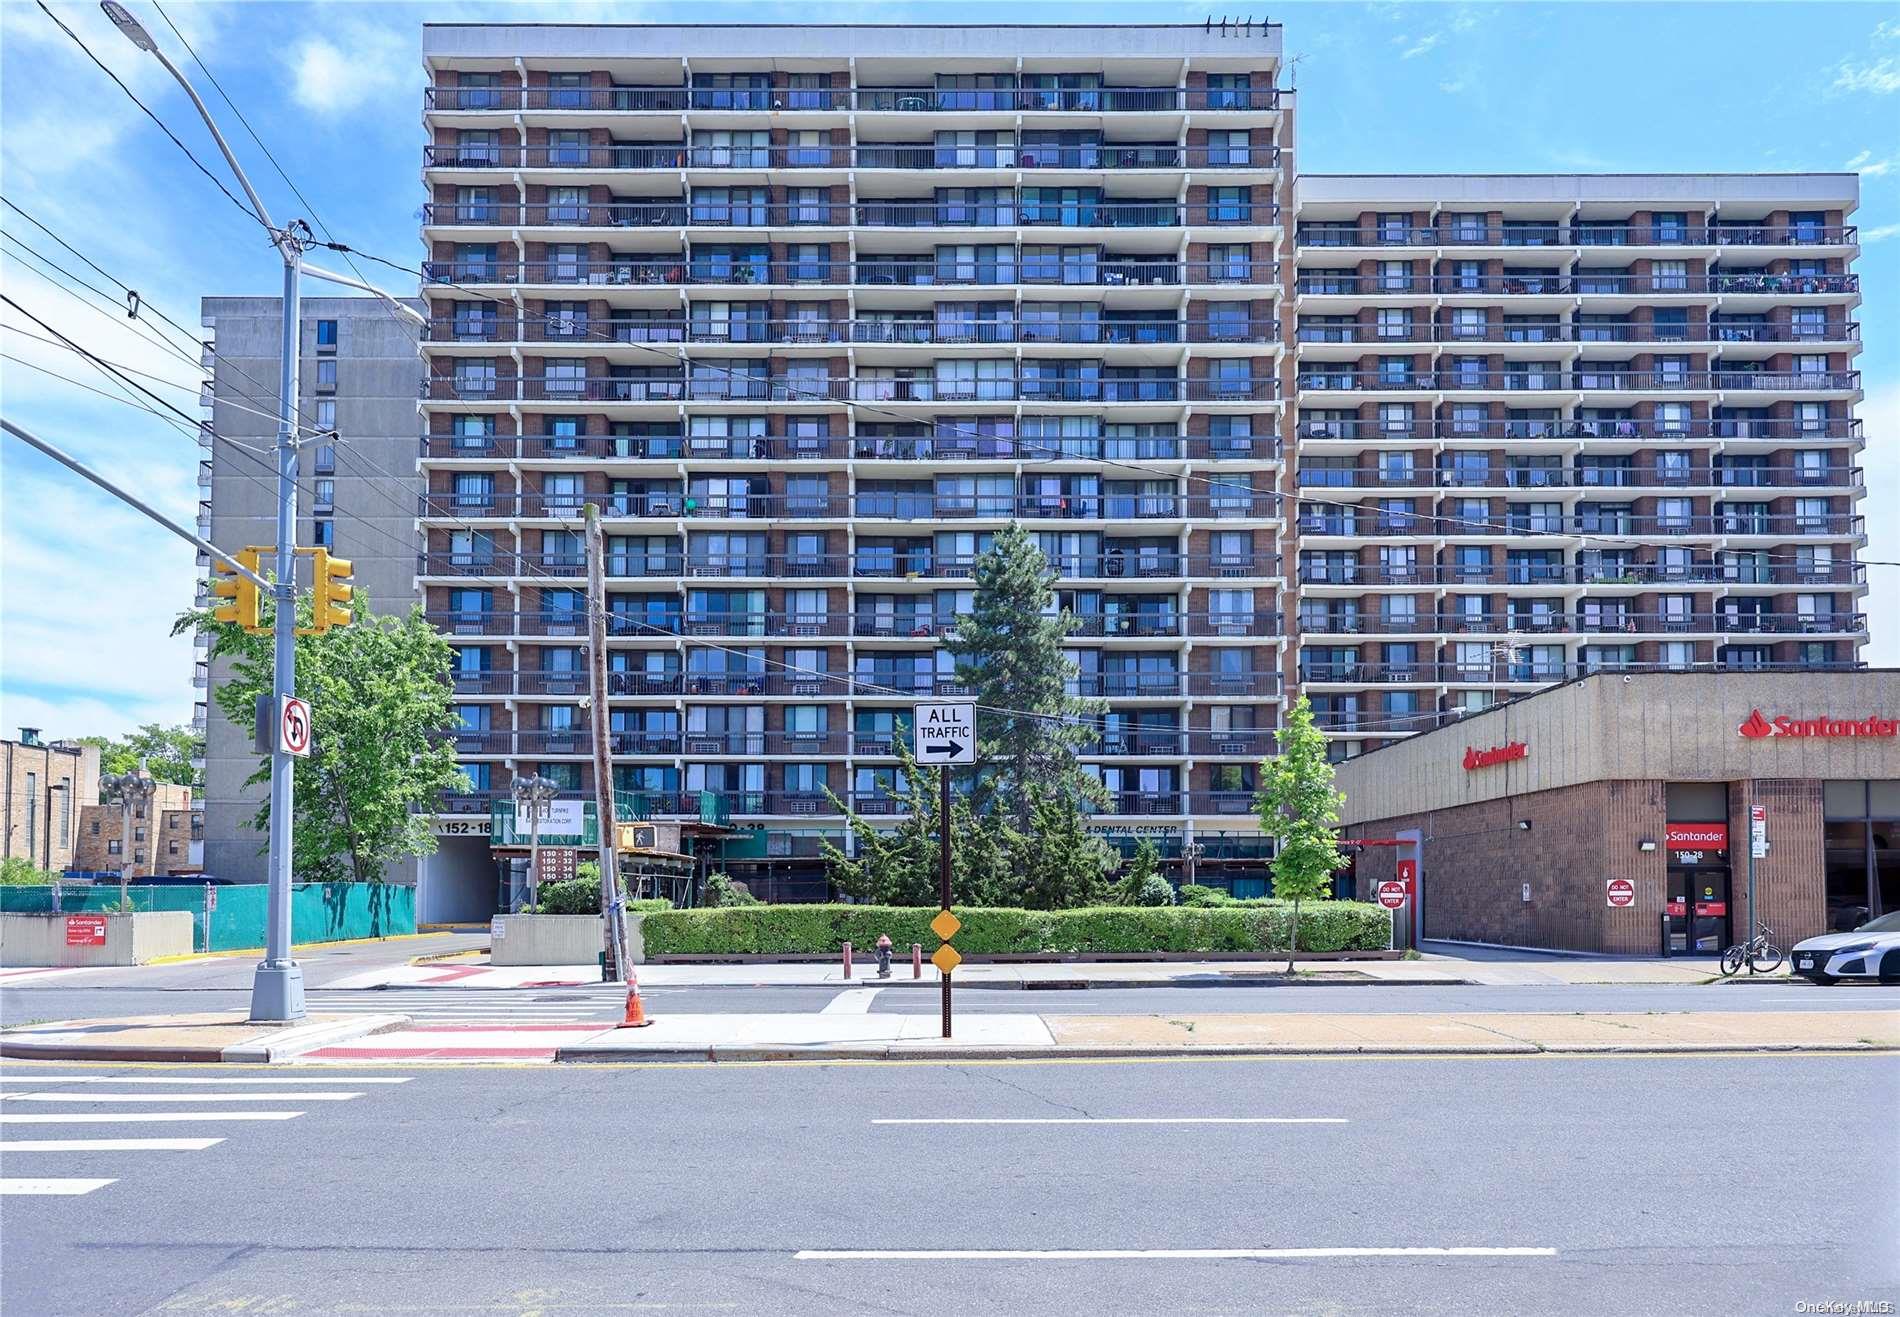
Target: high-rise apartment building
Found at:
x=357, y=376
x=1548, y=425
x=810, y=313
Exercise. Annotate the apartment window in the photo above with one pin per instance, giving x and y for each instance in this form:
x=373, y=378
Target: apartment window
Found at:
x=113, y=846
x=323, y=534
x=326, y=375
x=1396, y=322
x=1468, y=226
x=326, y=336
x=1669, y=276
x=32, y=813
x=326, y=414
x=323, y=495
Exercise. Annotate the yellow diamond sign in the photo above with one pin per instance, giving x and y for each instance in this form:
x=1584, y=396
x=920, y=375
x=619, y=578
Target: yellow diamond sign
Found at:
x=945, y=925
x=946, y=958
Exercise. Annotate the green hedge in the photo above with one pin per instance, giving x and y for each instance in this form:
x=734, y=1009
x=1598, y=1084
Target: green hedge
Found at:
x=820, y=930
x=581, y=896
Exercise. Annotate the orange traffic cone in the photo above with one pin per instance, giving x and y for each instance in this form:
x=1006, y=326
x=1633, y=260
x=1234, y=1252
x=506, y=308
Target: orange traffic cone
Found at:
x=636, y=1017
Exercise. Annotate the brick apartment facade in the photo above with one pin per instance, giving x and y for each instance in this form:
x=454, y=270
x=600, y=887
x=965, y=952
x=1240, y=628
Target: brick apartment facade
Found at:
x=162, y=835
x=810, y=311
x=46, y=785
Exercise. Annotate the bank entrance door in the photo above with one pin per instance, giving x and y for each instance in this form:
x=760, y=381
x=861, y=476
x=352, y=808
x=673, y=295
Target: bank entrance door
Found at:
x=1697, y=909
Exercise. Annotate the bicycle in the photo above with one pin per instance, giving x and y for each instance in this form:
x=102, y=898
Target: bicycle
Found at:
x=1759, y=953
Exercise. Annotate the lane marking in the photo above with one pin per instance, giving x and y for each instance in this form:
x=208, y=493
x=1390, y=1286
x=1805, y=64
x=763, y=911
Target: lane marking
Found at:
x=106, y=1145
x=87, y=1095
x=1188, y=1254
x=119, y=1117
x=157, y=1079
x=1113, y=1120
x=852, y=1001
x=51, y=1186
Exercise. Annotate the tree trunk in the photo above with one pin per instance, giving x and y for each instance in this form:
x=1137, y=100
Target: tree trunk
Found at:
x=1293, y=941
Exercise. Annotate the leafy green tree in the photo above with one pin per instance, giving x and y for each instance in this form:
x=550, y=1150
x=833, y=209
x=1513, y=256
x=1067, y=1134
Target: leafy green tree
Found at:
x=1155, y=890
x=167, y=751
x=1144, y=864
x=1299, y=806
x=17, y=872
x=1009, y=653
x=380, y=700
x=1060, y=864
x=898, y=866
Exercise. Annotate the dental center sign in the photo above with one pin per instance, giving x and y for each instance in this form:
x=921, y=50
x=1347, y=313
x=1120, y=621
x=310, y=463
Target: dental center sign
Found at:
x=1758, y=727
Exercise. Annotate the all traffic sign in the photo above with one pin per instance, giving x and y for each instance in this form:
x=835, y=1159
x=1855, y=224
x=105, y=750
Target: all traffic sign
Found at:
x=1620, y=893
x=1391, y=895
x=293, y=726
x=944, y=733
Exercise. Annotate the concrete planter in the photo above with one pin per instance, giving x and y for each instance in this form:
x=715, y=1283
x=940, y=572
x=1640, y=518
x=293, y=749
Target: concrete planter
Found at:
x=67, y=940
x=556, y=940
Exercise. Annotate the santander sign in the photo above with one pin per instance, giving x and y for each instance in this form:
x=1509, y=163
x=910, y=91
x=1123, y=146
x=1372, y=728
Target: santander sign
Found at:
x=1756, y=727
x=1497, y=754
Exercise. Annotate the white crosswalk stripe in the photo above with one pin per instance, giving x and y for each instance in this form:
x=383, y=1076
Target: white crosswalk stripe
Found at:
x=122, y=1101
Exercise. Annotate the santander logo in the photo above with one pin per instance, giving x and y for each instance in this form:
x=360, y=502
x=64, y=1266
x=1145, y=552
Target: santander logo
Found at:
x=1497, y=754
x=1756, y=727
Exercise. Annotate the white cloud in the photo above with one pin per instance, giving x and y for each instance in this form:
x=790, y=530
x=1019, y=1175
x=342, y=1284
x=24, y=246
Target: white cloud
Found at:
x=1453, y=87
x=1868, y=167
x=364, y=63
x=1424, y=45
x=1880, y=78
x=1880, y=234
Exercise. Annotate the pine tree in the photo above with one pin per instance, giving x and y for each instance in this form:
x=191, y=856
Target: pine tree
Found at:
x=1009, y=654
x=899, y=866
x=1299, y=805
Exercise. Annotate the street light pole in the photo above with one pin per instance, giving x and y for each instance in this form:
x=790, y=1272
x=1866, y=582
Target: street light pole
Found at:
x=534, y=793
x=277, y=985
x=134, y=791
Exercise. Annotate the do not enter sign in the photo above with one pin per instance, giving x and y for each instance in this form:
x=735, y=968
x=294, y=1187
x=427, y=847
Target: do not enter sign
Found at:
x=1391, y=895
x=1620, y=892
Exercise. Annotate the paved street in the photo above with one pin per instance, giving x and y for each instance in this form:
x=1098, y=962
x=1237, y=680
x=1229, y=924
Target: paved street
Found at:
x=58, y=999
x=1591, y=1185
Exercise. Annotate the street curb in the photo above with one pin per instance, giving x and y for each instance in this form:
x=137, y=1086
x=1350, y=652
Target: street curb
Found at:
x=1217, y=979
x=292, y=1042
x=447, y=955
x=915, y=1052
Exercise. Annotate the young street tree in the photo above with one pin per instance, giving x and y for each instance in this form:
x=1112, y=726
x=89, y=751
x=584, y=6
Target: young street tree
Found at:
x=380, y=700
x=167, y=751
x=1009, y=653
x=1299, y=806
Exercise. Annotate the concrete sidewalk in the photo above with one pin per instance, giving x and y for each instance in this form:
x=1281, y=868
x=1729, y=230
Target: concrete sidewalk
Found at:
x=896, y=1037
x=1449, y=970
x=222, y=1036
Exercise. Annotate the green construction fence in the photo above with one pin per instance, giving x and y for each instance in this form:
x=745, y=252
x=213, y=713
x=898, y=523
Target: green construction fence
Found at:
x=319, y=912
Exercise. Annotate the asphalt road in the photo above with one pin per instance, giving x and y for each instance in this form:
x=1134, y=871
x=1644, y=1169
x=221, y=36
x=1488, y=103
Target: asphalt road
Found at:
x=56, y=1000
x=1700, y=1184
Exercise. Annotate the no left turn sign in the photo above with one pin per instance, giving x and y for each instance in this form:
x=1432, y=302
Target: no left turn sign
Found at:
x=293, y=726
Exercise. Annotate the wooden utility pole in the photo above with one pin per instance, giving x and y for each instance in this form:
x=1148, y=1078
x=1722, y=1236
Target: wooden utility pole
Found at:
x=614, y=964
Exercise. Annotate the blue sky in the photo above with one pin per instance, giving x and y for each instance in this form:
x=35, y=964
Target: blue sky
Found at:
x=88, y=589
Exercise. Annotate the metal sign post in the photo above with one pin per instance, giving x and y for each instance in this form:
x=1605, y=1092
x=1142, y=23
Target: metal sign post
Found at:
x=1757, y=848
x=944, y=734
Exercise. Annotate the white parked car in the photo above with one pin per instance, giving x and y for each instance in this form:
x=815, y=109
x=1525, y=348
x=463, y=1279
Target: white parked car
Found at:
x=1871, y=951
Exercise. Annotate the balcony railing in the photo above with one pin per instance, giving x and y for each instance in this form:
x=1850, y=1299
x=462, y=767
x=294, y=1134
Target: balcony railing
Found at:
x=1582, y=283
x=728, y=386
x=1369, y=430
x=1612, y=525
x=1319, y=378
x=1107, y=272
x=673, y=156
x=911, y=331
x=905, y=100
x=1580, y=234
x=1701, y=331
x=1358, y=574
x=1013, y=212
x=1578, y=478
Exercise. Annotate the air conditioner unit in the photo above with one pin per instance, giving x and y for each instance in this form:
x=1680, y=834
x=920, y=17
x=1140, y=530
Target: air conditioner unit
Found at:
x=808, y=688
x=1230, y=747
x=703, y=745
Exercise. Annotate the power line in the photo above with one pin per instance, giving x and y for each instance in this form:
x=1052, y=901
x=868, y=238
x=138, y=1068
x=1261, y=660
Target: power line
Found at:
x=248, y=212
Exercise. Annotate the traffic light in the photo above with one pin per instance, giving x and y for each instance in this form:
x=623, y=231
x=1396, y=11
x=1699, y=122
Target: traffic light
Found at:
x=330, y=591
x=240, y=595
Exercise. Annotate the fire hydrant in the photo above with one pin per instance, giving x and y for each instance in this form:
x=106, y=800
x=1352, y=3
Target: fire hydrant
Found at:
x=883, y=955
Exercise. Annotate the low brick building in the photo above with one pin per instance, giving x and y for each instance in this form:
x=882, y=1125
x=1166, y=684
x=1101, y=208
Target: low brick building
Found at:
x=1613, y=813
x=45, y=787
x=162, y=849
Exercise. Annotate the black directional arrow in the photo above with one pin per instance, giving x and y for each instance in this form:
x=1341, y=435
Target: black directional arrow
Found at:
x=944, y=748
